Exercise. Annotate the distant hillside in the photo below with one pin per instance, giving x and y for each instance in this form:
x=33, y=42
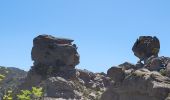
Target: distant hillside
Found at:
x=13, y=77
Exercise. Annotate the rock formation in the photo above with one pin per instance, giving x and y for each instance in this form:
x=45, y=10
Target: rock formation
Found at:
x=145, y=47
x=54, y=70
x=140, y=84
x=143, y=81
x=53, y=54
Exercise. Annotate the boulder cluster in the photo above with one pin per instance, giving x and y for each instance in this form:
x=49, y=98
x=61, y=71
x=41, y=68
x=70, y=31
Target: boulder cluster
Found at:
x=54, y=70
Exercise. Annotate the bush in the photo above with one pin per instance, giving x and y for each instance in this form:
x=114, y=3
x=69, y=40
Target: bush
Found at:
x=8, y=96
x=1, y=77
x=34, y=94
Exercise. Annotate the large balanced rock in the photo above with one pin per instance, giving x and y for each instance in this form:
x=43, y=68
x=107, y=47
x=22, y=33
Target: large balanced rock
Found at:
x=145, y=47
x=54, y=70
x=53, y=54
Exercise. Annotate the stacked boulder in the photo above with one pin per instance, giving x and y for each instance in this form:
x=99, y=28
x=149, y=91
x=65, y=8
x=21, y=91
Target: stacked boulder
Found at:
x=145, y=47
x=145, y=80
x=54, y=67
x=52, y=55
x=54, y=70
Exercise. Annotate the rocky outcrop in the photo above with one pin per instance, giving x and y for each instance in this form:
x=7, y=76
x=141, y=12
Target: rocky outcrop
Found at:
x=116, y=74
x=157, y=63
x=54, y=70
x=145, y=47
x=53, y=54
x=140, y=84
x=58, y=87
x=143, y=81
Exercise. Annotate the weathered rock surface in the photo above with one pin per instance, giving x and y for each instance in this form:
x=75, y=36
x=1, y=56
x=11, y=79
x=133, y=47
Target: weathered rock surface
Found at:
x=140, y=84
x=157, y=63
x=142, y=81
x=145, y=47
x=116, y=74
x=53, y=54
x=58, y=87
x=168, y=70
x=54, y=70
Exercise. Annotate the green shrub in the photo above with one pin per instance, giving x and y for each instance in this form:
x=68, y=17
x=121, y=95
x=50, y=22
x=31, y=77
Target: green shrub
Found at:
x=8, y=96
x=37, y=91
x=34, y=94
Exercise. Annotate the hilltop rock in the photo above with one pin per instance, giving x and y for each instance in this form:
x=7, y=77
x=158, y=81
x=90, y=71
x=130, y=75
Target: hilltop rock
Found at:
x=53, y=54
x=54, y=70
x=145, y=47
x=143, y=81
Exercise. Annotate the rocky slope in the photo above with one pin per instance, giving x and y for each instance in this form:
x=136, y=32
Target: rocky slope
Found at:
x=13, y=77
x=54, y=69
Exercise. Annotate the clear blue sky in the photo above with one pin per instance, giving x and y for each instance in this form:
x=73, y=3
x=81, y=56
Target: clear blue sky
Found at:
x=104, y=30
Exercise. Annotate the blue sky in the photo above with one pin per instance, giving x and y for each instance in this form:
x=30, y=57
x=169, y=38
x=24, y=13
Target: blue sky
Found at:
x=104, y=30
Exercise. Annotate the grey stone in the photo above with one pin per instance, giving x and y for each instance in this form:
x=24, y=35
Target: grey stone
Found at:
x=145, y=47
x=116, y=74
x=127, y=65
x=58, y=87
x=51, y=54
x=141, y=84
x=156, y=63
